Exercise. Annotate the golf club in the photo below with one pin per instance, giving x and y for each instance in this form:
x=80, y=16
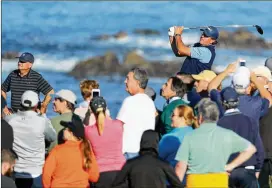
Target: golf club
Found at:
x=259, y=29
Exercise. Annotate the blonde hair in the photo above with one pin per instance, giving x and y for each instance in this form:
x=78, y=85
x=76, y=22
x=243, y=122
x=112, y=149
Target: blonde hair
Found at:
x=188, y=114
x=100, y=120
x=86, y=87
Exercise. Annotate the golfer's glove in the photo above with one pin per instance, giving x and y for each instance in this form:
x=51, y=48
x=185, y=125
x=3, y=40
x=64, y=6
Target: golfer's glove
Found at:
x=171, y=31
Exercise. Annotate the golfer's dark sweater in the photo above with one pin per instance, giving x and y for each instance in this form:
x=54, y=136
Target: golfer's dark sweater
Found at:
x=195, y=66
x=248, y=129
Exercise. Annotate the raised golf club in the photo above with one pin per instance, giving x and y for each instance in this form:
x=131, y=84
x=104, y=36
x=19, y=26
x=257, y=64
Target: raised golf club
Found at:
x=258, y=28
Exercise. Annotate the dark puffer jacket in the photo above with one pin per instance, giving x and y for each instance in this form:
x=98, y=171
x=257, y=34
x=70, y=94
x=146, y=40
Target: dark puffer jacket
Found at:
x=147, y=170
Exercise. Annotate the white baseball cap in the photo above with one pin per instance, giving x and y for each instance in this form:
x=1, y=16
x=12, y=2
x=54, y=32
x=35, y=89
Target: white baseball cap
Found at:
x=29, y=99
x=67, y=95
x=241, y=78
x=263, y=71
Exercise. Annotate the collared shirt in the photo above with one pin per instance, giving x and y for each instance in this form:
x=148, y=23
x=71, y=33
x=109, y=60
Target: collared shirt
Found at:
x=234, y=110
x=18, y=85
x=30, y=132
x=171, y=100
x=207, y=148
x=202, y=53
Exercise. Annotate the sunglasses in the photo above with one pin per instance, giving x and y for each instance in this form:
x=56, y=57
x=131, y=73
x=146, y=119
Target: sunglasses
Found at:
x=60, y=99
x=21, y=62
x=204, y=35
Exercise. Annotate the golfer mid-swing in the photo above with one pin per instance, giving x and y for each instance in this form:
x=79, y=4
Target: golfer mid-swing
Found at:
x=201, y=55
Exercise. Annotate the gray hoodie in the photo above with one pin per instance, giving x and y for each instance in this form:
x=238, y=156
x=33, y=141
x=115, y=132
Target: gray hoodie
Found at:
x=30, y=131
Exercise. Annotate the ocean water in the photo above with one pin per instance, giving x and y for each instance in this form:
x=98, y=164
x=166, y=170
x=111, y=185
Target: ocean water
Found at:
x=59, y=35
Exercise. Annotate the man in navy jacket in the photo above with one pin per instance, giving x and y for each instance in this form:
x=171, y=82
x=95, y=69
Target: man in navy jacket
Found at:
x=246, y=174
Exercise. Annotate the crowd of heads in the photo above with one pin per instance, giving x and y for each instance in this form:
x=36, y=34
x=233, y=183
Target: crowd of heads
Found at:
x=179, y=86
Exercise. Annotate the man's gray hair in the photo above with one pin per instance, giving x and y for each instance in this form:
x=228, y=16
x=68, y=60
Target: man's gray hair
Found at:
x=208, y=110
x=140, y=74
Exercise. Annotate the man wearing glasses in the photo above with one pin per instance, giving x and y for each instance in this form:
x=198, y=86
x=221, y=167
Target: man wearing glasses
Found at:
x=200, y=56
x=63, y=104
x=23, y=79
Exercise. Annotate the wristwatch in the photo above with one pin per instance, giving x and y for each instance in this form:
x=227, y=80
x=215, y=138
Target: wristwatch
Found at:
x=177, y=35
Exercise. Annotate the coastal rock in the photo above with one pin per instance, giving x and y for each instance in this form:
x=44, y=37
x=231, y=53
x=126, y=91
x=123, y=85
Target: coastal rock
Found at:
x=242, y=39
x=99, y=65
x=10, y=55
x=146, y=32
x=163, y=69
x=120, y=35
x=133, y=58
x=101, y=37
x=109, y=65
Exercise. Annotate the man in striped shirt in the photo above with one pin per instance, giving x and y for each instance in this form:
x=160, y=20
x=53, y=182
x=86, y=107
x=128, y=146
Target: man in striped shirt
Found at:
x=23, y=79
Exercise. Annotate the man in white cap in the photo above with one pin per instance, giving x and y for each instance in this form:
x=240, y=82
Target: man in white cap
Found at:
x=242, y=80
x=64, y=104
x=264, y=76
x=30, y=132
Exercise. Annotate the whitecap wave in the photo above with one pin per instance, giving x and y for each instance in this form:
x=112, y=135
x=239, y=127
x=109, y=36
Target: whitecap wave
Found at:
x=151, y=42
x=43, y=63
x=251, y=62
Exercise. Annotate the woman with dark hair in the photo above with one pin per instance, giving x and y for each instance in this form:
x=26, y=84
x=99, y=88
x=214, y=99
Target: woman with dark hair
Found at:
x=106, y=138
x=71, y=164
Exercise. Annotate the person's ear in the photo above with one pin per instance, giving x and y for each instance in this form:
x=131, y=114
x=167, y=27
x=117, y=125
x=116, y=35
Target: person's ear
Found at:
x=248, y=89
x=200, y=119
x=5, y=167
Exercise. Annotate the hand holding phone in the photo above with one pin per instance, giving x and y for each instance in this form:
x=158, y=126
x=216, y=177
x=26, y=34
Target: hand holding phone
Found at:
x=242, y=63
x=95, y=93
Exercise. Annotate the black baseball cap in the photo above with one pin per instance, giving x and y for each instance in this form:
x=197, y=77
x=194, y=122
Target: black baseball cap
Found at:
x=98, y=102
x=75, y=126
x=229, y=94
x=26, y=57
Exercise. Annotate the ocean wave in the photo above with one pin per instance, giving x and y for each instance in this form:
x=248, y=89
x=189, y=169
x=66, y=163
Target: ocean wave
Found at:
x=150, y=42
x=43, y=63
x=251, y=62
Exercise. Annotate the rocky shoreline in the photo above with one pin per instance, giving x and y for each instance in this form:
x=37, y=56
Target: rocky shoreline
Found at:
x=109, y=64
x=239, y=39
